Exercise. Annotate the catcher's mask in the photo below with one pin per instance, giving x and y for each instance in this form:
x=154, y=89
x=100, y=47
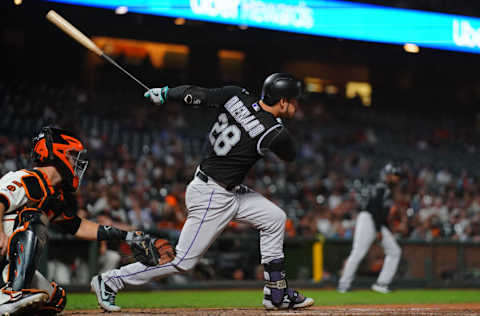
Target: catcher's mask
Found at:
x=63, y=150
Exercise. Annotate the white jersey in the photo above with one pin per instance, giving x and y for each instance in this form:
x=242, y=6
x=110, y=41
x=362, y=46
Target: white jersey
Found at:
x=12, y=190
x=31, y=188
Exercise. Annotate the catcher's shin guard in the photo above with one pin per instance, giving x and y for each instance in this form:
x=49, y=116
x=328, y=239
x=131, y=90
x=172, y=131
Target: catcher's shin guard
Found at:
x=23, y=249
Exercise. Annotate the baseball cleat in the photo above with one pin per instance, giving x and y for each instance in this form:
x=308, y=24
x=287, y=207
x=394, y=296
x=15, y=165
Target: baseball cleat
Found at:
x=380, y=288
x=105, y=295
x=291, y=300
x=24, y=304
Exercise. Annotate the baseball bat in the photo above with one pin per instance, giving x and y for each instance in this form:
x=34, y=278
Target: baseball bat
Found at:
x=71, y=30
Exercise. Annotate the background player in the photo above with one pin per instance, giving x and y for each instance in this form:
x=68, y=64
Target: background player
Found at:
x=372, y=222
x=29, y=200
x=245, y=129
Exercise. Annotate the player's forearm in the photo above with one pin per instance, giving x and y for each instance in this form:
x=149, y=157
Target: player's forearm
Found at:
x=187, y=95
x=123, y=226
x=193, y=96
x=87, y=230
x=92, y=231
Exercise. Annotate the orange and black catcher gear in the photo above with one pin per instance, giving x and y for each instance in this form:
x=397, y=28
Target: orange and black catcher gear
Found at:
x=63, y=150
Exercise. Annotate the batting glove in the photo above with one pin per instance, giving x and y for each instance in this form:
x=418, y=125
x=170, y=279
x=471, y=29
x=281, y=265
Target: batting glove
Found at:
x=157, y=95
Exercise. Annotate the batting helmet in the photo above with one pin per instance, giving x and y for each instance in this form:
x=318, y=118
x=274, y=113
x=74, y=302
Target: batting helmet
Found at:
x=278, y=86
x=63, y=150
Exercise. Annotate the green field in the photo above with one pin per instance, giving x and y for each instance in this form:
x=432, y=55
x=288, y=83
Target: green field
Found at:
x=253, y=298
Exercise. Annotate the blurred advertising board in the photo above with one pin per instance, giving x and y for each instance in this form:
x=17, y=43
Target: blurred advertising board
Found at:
x=332, y=18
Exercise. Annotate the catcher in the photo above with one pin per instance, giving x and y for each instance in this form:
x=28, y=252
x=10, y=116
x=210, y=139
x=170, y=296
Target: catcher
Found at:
x=31, y=199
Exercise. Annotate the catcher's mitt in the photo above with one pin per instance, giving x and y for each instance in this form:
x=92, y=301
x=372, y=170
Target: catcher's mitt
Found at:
x=150, y=252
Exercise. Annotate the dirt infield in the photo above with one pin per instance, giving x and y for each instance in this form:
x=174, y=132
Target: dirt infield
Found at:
x=380, y=310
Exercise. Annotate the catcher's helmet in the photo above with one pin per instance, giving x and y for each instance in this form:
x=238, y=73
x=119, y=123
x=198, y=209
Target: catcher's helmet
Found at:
x=61, y=149
x=280, y=85
x=391, y=173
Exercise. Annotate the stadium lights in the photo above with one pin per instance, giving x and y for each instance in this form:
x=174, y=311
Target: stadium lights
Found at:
x=314, y=84
x=179, y=21
x=411, y=48
x=121, y=10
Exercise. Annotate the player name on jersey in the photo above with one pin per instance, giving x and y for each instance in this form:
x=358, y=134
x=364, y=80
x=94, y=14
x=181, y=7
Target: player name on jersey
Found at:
x=244, y=117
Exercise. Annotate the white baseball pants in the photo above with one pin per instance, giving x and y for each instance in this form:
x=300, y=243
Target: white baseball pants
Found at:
x=363, y=238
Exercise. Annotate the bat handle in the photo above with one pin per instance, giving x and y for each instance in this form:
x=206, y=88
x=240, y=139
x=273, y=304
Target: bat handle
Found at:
x=113, y=62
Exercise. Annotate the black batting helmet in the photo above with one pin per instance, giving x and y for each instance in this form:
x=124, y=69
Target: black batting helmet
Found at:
x=280, y=85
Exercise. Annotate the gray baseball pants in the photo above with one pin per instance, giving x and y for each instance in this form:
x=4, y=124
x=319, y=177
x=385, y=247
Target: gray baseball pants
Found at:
x=210, y=209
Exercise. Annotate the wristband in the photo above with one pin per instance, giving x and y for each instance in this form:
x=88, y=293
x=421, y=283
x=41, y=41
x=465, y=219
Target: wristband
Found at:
x=110, y=233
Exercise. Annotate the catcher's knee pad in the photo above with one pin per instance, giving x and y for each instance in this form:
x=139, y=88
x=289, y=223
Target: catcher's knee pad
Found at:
x=24, y=246
x=56, y=302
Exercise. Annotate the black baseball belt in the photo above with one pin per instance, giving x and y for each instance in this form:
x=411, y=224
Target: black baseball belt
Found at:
x=202, y=176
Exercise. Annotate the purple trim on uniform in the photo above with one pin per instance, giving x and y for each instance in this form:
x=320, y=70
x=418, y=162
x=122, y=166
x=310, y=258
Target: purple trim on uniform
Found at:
x=170, y=264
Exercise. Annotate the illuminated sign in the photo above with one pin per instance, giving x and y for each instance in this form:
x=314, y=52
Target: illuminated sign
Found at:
x=330, y=18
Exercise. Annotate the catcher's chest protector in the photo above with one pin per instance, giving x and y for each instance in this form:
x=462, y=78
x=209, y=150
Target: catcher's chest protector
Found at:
x=37, y=188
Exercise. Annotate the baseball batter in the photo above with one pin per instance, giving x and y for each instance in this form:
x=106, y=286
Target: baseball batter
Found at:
x=372, y=222
x=244, y=130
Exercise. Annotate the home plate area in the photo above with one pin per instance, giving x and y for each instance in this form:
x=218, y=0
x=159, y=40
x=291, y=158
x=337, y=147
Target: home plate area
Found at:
x=380, y=310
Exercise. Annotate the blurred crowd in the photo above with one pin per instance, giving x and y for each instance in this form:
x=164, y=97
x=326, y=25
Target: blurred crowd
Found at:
x=142, y=157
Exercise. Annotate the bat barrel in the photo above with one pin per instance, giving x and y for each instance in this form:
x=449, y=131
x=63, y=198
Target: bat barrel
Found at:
x=71, y=30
